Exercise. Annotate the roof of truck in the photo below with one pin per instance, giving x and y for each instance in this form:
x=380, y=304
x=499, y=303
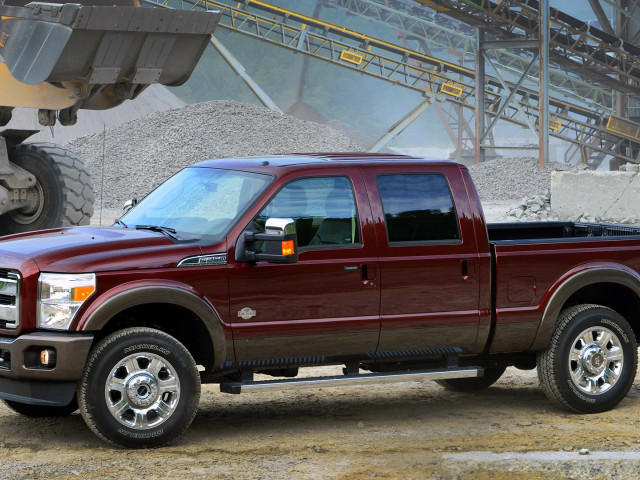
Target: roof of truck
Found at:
x=281, y=163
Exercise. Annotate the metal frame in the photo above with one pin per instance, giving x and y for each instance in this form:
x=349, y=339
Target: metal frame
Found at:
x=416, y=71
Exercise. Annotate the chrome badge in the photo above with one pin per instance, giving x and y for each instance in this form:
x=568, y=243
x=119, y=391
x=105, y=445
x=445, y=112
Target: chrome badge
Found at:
x=246, y=313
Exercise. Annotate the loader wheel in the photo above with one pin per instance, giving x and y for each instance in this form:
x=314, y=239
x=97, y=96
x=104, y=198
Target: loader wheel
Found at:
x=62, y=196
x=591, y=360
x=491, y=376
x=42, y=411
x=140, y=388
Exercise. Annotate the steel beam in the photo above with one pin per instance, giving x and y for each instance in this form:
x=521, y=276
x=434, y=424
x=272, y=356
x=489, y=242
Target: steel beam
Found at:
x=237, y=67
x=543, y=100
x=480, y=97
x=400, y=125
x=601, y=16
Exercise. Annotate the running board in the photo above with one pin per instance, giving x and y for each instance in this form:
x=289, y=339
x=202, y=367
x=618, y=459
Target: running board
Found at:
x=347, y=380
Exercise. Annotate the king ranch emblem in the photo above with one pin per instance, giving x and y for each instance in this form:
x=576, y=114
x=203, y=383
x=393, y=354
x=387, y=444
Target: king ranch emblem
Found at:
x=246, y=313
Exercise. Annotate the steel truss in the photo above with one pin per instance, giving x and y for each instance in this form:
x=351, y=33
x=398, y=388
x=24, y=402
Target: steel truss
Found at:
x=419, y=23
x=432, y=77
x=574, y=45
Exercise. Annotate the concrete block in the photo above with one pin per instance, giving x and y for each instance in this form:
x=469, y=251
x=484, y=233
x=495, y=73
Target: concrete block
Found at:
x=602, y=194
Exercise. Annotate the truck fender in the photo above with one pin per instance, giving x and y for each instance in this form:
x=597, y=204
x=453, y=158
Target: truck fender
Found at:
x=104, y=309
x=618, y=274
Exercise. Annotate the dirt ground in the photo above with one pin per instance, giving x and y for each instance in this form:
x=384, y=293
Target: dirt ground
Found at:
x=397, y=431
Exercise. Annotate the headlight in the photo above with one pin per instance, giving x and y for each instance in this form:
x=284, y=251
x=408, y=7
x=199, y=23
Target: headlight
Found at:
x=60, y=296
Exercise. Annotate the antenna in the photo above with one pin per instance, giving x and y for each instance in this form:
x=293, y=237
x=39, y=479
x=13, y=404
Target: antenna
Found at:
x=104, y=140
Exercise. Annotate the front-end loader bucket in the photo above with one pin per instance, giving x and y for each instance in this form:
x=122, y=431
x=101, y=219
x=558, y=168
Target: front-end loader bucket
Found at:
x=101, y=54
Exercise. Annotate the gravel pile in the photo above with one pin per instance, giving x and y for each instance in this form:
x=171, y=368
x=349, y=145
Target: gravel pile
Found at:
x=512, y=178
x=142, y=153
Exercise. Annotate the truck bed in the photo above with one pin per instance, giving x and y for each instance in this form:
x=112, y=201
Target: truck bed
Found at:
x=561, y=231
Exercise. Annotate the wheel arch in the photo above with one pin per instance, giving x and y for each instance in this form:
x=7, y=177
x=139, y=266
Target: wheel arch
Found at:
x=118, y=311
x=616, y=287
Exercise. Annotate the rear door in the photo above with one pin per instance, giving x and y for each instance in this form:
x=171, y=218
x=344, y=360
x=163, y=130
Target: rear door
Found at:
x=326, y=304
x=429, y=259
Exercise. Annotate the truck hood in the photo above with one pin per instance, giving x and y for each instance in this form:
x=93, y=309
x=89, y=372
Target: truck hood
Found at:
x=92, y=249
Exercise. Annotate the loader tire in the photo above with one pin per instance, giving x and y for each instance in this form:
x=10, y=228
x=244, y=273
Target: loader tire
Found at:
x=62, y=196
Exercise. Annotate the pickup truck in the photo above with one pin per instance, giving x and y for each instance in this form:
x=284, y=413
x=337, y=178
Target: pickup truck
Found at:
x=383, y=264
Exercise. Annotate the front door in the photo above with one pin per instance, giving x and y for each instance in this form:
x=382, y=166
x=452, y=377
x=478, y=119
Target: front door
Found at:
x=326, y=304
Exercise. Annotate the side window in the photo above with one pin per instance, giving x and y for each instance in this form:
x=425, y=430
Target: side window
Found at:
x=418, y=208
x=323, y=208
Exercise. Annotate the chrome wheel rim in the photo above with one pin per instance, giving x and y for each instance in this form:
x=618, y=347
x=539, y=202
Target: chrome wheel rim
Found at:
x=596, y=360
x=142, y=391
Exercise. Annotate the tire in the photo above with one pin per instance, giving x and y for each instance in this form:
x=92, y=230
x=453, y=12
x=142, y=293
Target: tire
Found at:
x=591, y=361
x=41, y=411
x=491, y=376
x=63, y=195
x=124, y=374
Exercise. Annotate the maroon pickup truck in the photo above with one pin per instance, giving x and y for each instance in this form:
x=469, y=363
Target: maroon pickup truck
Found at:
x=381, y=263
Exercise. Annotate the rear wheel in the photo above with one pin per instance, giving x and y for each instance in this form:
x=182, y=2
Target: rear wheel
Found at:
x=39, y=411
x=491, y=376
x=140, y=388
x=590, y=363
x=62, y=196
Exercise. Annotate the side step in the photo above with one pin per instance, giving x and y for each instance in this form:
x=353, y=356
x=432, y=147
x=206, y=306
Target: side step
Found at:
x=347, y=380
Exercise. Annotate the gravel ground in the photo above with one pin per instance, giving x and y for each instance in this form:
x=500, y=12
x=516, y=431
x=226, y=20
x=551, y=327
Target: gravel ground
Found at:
x=512, y=178
x=399, y=431
x=141, y=154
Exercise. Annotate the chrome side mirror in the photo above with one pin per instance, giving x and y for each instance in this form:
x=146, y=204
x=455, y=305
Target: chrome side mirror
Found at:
x=129, y=204
x=279, y=226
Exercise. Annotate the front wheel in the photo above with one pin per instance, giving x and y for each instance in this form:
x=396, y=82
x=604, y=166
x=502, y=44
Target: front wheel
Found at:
x=140, y=388
x=591, y=361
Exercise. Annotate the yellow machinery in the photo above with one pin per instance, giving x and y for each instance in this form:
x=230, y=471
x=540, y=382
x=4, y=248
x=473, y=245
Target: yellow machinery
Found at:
x=60, y=58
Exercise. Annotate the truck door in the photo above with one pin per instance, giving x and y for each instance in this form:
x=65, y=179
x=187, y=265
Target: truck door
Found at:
x=428, y=259
x=326, y=304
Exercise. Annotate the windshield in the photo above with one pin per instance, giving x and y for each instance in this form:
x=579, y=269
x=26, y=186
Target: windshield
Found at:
x=198, y=202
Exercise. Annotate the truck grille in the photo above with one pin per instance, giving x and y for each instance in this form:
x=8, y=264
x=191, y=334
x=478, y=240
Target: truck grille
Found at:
x=9, y=299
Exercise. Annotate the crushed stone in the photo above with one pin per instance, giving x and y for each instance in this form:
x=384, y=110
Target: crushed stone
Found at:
x=141, y=154
x=512, y=178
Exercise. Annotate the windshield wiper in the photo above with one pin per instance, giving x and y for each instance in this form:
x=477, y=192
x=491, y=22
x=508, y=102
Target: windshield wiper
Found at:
x=120, y=222
x=168, y=231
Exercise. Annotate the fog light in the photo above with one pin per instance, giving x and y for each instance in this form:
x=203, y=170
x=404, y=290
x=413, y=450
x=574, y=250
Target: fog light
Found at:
x=48, y=358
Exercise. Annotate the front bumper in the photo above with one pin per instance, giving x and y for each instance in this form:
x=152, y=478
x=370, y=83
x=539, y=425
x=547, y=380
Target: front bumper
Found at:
x=21, y=382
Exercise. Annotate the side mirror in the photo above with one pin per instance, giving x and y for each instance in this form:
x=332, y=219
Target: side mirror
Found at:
x=280, y=242
x=129, y=204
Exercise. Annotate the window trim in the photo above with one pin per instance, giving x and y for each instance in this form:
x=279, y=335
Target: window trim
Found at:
x=457, y=241
x=306, y=248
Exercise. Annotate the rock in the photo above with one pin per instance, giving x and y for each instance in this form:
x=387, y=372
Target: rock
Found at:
x=535, y=208
x=360, y=424
x=519, y=213
x=584, y=451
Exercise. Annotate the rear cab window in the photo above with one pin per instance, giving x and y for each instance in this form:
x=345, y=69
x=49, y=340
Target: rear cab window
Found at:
x=418, y=208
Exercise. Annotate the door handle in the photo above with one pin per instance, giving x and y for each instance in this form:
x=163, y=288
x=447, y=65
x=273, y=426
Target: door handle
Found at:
x=369, y=275
x=468, y=269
